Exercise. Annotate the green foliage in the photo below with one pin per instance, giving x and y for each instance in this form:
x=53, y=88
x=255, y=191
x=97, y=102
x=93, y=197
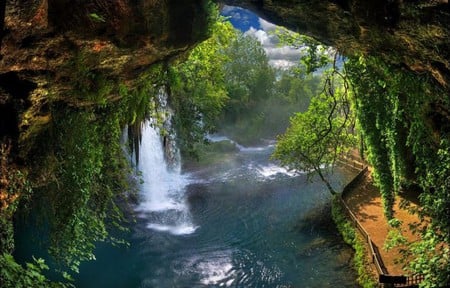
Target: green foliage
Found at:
x=14, y=275
x=249, y=81
x=14, y=189
x=197, y=86
x=86, y=174
x=394, y=238
x=406, y=135
x=365, y=280
x=344, y=226
x=297, y=88
x=316, y=55
x=140, y=102
x=317, y=137
x=80, y=170
x=380, y=118
x=432, y=260
x=212, y=18
x=248, y=76
x=432, y=252
x=291, y=93
x=260, y=102
x=89, y=83
x=90, y=171
x=228, y=84
x=96, y=18
x=6, y=233
x=351, y=237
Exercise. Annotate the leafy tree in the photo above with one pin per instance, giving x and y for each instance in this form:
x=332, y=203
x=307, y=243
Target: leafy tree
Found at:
x=315, y=54
x=317, y=137
x=248, y=76
x=250, y=83
x=297, y=87
x=197, y=86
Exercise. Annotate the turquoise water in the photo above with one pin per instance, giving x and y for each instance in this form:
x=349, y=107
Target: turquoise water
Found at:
x=240, y=221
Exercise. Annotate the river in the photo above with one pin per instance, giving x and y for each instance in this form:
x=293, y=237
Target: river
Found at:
x=239, y=221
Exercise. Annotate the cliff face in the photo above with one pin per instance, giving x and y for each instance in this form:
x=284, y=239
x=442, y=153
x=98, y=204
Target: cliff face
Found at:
x=69, y=52
x=411, y=33
x=121, y=38
x=46, y=43
x=50, y=46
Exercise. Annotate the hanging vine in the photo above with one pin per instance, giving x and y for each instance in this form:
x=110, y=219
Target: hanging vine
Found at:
x=404, y=120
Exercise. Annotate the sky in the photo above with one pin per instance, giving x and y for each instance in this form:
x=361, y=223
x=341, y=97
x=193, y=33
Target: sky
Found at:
x=251, y=24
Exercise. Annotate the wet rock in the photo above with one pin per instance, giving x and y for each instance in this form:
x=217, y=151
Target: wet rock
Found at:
x=48, y=46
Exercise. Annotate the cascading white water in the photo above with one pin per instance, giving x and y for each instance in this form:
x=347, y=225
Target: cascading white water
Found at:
x=270, y=169
x=162, y=191
x=163, y=188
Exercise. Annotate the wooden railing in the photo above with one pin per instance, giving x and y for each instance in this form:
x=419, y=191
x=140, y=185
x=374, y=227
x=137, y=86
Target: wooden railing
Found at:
x=351, y=160
x=384, y=279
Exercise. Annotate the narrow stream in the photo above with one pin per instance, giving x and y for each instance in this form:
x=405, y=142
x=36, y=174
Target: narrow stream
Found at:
x=240, y=221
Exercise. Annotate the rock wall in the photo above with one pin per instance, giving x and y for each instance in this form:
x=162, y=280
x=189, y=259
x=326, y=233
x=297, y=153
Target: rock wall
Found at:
x=120, y=39
x=411, y=33
x=46, y=43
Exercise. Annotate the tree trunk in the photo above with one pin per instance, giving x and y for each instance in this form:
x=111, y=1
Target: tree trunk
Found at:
x=330, y=188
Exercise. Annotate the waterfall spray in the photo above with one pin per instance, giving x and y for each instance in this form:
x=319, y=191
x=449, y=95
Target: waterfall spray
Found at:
x=162, y=191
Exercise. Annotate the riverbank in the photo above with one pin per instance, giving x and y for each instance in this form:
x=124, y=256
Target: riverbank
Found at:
x=367, y=274
x=366, y=229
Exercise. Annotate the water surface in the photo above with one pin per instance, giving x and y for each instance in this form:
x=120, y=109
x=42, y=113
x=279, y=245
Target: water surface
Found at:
x=240, y=221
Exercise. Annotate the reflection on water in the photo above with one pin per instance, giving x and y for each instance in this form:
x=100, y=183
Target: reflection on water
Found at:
x=240, y=222
x=216, y=269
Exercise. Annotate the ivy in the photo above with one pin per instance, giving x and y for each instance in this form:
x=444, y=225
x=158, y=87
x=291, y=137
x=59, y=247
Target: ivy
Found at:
x=88, y=176
x=14, y=275
x=380, y=116
x=402, y=118
x=81, y=175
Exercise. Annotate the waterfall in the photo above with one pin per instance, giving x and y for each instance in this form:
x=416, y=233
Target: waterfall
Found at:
x=162, y=192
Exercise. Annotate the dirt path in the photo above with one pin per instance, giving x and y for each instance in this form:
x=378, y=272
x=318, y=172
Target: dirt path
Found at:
x=366, y=203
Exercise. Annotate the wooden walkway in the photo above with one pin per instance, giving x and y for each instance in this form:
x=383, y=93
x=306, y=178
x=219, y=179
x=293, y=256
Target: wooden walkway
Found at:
x=363, y=201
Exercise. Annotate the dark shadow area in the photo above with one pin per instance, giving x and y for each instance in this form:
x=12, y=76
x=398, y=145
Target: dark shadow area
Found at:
x=316, y=220
x=411, y=194
x=14, y=94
